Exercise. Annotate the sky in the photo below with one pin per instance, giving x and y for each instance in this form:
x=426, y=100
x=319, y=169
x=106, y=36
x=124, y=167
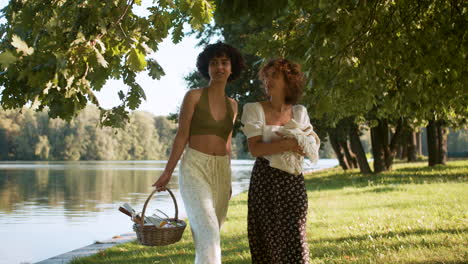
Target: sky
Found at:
x=163, y=96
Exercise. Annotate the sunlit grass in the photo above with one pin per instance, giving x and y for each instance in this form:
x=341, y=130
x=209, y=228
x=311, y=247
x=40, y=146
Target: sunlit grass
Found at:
x=413, y=214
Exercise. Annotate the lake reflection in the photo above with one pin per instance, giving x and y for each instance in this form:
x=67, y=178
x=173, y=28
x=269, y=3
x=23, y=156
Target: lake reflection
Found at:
x=49, y=208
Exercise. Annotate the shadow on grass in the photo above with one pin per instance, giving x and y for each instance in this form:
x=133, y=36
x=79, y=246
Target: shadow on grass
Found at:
x=382, y=190
x=440, y=168
x=441, y=262
x=338, y=179
x=368, y=246
x=233, y=246
x=392, y=234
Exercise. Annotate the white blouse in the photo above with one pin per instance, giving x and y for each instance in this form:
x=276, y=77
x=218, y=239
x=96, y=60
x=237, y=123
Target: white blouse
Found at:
x=253, y=119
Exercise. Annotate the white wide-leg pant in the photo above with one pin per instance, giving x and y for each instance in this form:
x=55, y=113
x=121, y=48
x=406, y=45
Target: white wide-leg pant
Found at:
x=205, y=184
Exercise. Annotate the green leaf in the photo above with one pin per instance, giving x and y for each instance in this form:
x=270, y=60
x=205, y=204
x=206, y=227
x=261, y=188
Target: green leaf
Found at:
x=201, y=12
x=136, y=60
x=155, y=70
x=80, y=38
x=145, y=47
x=21, y=46
x=177, y=33
x=166, y=3
x=7, y=58
x=100, y=59
x=121, y=95
x=324, y=105
x=135, y=95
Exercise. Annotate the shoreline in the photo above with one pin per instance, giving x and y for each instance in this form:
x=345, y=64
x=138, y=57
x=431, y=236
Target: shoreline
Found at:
x=97, y=246
x=89, y=249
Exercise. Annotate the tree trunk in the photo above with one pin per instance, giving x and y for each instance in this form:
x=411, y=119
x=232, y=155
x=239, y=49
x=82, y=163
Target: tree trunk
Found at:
x=383, y=150
x=400, y=152
x=404, y=151
x=4, y=144
x=419, y=151
x=378, y=149
x=357, y=148
x=432, y=142
x=340, y=155
x=442, y=134
x=391, y=149
x=402, y=148
x=412, y=143
x=350, y=156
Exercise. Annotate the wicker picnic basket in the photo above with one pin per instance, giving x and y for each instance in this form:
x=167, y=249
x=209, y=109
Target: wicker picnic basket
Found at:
x=151, y=235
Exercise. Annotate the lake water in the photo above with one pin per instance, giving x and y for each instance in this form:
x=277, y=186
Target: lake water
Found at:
x=49, y=208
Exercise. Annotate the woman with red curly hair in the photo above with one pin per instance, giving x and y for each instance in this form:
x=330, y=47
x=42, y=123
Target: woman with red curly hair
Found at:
x=277, y=203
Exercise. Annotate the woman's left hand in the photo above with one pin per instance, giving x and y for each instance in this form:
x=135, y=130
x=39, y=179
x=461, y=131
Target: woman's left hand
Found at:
x=299, y=150
x=292, y=142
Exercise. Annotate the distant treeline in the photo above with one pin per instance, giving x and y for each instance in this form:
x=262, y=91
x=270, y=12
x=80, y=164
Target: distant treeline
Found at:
x=30, y=135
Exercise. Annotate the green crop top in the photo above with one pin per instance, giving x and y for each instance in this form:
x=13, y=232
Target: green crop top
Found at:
x=203, y=122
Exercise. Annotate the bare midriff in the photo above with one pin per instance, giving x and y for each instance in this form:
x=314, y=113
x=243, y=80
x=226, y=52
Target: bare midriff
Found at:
x=208, y=144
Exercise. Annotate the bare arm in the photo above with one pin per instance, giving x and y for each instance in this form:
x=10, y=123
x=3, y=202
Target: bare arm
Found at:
x=258, y=148
x=229, y=140
x=181, y=139
x=229, y=145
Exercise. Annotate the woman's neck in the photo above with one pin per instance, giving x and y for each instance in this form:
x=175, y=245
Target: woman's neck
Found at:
x=278, y=104
x=217, y=88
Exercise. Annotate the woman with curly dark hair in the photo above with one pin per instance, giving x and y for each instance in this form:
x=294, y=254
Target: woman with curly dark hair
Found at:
x=205, y=123
x=277, y=202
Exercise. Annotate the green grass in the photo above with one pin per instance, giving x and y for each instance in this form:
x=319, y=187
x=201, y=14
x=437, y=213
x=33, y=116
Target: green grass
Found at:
x=413, y=214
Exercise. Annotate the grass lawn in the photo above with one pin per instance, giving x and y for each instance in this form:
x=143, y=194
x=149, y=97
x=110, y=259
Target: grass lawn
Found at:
x=413, y=214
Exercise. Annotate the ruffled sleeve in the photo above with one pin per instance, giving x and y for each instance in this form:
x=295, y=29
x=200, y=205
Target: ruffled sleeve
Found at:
x=302, y=117
x=252, y=120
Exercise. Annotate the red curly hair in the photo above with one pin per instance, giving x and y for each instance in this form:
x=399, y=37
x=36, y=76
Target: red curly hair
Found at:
x=293, y=77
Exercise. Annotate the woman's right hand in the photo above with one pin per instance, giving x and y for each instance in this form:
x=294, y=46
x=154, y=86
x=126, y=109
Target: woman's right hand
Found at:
x=163, y=180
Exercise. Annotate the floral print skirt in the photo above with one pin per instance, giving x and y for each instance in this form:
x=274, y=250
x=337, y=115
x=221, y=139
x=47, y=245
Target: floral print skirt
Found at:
x=277, y=214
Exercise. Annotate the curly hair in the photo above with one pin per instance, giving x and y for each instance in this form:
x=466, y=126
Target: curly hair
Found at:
x=293, y=77
x=220, y=49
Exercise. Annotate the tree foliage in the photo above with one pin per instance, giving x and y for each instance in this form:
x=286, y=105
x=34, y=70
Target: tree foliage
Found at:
x=376, y=62
x=404, y=58
x=56, y=54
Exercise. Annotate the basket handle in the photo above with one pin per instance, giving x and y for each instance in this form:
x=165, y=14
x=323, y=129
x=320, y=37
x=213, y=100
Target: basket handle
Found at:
x=142, y=219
